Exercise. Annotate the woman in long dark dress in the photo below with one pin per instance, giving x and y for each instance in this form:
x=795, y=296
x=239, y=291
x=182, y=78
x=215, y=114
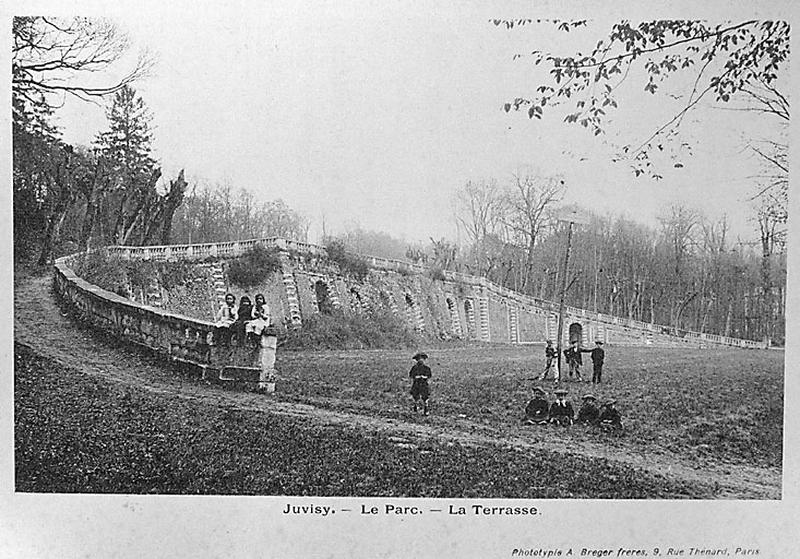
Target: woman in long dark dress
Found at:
x=243, y=315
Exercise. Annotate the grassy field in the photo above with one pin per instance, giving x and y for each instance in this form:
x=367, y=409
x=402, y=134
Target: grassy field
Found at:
x=95, y=415
x=78, y=433
x=718, y=405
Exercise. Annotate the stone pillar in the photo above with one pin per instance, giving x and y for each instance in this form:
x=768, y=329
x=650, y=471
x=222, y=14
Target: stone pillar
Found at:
x=268, y=350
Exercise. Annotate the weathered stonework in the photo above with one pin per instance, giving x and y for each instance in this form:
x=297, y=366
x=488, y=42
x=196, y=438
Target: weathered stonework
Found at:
x=460, y=306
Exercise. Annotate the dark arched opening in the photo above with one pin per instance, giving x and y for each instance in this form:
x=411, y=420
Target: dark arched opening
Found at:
x=356, y=304
x=575, y=332
x=323, y=297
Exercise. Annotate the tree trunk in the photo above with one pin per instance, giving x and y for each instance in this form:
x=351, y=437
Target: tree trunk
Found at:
x=88, y=221
x=53, y=228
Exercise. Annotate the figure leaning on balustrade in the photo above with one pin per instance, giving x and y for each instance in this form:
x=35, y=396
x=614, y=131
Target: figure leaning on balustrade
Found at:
x=261, y=318
x=226, y=317
x=244, y=314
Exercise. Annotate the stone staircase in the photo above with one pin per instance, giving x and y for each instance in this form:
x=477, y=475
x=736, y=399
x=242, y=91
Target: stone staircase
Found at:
x=455, y=321
x=552, y=328
x=470, y=312
x=219, y=284
x=153, y=293
x=292, y=299
x=513, y=324
x=483, y=315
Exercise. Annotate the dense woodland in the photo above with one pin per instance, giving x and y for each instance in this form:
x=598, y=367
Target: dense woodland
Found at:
x=687, y=273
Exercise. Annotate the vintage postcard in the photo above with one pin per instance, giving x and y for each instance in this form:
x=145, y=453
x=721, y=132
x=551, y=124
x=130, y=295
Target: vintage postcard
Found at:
x=399, y=279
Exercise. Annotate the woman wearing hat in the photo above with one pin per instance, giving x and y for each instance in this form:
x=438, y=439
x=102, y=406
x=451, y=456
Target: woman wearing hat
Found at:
x=561, y=412
x=420, y=373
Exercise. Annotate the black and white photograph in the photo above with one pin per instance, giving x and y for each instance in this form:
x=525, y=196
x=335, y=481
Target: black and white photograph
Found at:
x=479, y=263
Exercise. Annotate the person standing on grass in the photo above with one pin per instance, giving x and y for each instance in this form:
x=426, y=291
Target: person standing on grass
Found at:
x=420, y=390
x=598, y=355
x=550, y=355
x=537, y=410
x=561, y=412
x=574, y=360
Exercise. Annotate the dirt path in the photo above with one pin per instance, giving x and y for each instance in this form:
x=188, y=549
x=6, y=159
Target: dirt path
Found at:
x=40, y=324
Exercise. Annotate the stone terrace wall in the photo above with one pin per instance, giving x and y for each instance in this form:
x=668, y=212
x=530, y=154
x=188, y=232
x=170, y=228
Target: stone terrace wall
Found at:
x=181, y=338
x=482, y=310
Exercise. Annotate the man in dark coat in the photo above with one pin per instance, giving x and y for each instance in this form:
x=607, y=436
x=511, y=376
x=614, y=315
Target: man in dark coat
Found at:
x=598, y=356
x=588, y=414
x=574, y=360
x=420, y=373
x=537, y=410
x=561, y=412
x=550, y=355
x=610, y=419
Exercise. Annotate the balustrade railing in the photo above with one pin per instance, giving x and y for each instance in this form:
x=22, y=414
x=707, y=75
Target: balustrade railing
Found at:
x=180, y=337
x=237, y=248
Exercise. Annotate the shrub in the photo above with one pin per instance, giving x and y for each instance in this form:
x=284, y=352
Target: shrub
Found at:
x=348, y=264
x=436, y=273
x=253, y=266
x=113, y=273
x=340, y=330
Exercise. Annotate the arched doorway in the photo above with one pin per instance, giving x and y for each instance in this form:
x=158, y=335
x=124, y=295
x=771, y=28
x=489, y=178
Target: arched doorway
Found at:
x=575, y=333
x=323, y=297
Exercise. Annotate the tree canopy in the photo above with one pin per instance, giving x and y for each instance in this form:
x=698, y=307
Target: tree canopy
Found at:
x=721, y=62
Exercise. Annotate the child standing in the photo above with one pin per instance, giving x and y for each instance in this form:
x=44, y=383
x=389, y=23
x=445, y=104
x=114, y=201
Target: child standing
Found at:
x=420, y=390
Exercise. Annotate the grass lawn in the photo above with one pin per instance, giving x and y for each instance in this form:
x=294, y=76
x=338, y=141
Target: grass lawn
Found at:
x=78, y=433
x=718, y=405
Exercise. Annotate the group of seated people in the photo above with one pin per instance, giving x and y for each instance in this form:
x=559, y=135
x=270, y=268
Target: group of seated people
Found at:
x=560, y=412
x=246, y=322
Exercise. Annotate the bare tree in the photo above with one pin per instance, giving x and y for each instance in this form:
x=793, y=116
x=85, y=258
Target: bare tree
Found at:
x=678, y=225
x=525, y=205
x=52, y=56
x=478, y=209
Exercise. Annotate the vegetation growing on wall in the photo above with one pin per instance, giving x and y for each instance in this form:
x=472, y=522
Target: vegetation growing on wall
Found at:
x=253, y=266
x=115, y=274
x=349, y=264
x=340, y=330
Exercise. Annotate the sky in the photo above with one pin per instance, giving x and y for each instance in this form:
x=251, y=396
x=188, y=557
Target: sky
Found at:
x=375, y=113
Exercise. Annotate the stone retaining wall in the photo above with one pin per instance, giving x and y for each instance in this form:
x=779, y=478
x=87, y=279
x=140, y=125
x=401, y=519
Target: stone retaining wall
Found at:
x=182, y=339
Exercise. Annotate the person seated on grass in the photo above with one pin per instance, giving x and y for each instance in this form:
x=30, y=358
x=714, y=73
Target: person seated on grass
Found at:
x=610, y=419
x=420, y=390
x=561, y=412
x=537, y=410
x=261, y=318
x=588, y=414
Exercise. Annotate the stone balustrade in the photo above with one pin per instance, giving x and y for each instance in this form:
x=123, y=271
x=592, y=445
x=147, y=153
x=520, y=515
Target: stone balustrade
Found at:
x=181, y=338
x=237, y=248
